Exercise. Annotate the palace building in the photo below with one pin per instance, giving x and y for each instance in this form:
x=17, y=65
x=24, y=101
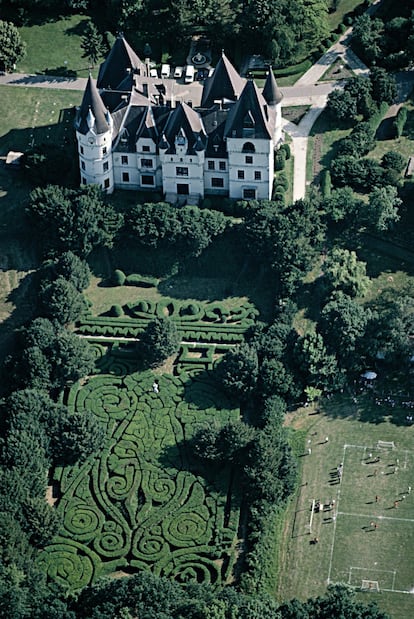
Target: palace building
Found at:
x=184, y=140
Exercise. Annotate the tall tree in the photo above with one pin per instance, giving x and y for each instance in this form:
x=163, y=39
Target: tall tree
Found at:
x=159, y=341
x=12, y=48
x=343, y=271
x=92, y=44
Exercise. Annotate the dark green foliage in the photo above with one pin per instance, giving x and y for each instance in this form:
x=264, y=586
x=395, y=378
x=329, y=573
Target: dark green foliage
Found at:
x=317, y=367
x=394, y=161
x=12, y=48
x=343, y=271
x=92, y=44
x=79, y=435
x=384, y=86
x=51, y=356
x=342, y=105
x=72, y=219
x=116, y=310
x=41, y=521
x=399, y=122
x=360, y=141
x=382, y=211
x=286, y=149
x=188, y=229
x=342, y=206
x=118, y=278
x=366, y=36
x=280, y=160
x=73, y=269
x=159, y=341
x=238, y=371
x=284, y=238
x=61, y=301
x=342, y=324
x=47, y=163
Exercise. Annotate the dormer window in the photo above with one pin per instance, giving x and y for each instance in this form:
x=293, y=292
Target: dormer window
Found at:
x=248, y=147
x=180, y=141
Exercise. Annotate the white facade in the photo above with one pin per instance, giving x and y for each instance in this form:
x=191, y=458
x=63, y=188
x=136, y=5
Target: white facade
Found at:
x=132, y=141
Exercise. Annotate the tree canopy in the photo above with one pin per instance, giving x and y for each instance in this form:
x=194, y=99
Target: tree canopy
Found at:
x=12, y=48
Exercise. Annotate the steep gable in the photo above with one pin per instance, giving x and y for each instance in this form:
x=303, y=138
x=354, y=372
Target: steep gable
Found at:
x=120, y=61
x=271, y=91
x=249, y=116
x=186, y=120
x=224, y=84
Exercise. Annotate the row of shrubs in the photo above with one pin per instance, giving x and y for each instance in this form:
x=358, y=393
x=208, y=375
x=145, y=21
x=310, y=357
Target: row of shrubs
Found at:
x=134, y=279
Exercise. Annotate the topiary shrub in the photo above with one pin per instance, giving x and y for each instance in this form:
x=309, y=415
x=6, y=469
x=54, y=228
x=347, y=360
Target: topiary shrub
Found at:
x=116, y=310
x=282, y=180
x=280, y=160
x=286, y=149
x=118, y=278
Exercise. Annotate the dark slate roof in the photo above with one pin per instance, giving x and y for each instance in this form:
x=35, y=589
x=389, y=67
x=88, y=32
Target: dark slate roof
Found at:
x=147, y=128
x=184, y=119
x=271, y=91
x=224, y=84
x=92, y=103
x=120, y=60
x=214, y=120
x=250, y=107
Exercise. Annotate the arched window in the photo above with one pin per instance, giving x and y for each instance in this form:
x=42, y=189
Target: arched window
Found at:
x=248, y=147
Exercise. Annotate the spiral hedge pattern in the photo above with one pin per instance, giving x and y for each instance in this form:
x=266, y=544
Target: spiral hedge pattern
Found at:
x=142, y=502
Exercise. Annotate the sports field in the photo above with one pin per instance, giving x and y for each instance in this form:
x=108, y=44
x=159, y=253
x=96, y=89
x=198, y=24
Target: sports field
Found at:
x=363, y=532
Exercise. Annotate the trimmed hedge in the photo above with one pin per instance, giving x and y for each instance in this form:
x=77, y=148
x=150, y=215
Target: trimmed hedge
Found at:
x=128, y=507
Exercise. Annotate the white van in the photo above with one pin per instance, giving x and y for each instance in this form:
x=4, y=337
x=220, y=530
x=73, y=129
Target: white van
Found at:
x=189, y=74
x=165, y=71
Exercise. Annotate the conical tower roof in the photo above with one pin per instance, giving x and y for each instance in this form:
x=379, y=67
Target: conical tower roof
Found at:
x=225, y=83
x=271, y=91
x=92, y=108
x=115, y=68
x=250, y=109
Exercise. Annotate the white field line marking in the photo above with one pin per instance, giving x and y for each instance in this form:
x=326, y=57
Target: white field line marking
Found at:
x=371, y=569
x=367, y=516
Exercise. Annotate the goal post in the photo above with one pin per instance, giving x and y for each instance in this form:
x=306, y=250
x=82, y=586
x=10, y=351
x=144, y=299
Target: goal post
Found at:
x=385, y=445
x=370, y=585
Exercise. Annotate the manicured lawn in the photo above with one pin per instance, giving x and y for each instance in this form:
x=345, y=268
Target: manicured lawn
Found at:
x=35, y=115
x=344, y=7
x=54, y=47
x=349, y=548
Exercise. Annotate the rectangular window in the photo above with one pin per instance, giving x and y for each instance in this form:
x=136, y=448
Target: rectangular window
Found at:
x=147, y=179
x=249, y=159
x=124, y=159
x=257, y=175
x=104, y=150
x=182, y=189
x=210, y=165
x=83, y=180
x=105, y=166
x=125, y=177
x=106, y=183
x=82, y=165
x=145, y=148
x=249, y=194
x=217, y=182
x=240, y=174
x=81, y=150
x=180, y=171
x=146, y=163
x=222, y=165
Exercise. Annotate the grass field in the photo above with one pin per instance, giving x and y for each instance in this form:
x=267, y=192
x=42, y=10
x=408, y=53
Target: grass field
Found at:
x=35, y=115
x=350, y=549
x=54, y=47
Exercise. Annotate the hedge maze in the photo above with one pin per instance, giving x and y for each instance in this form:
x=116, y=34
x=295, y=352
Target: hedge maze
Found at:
x=142, y=502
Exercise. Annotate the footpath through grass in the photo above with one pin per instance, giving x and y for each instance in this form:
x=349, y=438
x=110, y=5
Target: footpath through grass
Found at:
x=367, y=534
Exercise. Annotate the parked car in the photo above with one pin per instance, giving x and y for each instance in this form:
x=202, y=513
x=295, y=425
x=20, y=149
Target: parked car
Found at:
x=165, y=71
x=178, y=72
x=153, y=73
x=189, y=74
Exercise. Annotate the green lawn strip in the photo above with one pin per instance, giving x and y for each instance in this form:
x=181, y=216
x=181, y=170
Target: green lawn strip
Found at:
x=143, y=502
x=55, y=47
x=35, y=116
x=342, y=542
x=344, y=7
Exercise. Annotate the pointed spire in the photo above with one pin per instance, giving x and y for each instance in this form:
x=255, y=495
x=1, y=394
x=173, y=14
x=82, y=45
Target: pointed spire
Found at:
x=92, y=112
x=225, y=83
x=120, y=60
x=271, y=91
